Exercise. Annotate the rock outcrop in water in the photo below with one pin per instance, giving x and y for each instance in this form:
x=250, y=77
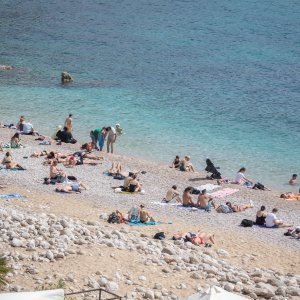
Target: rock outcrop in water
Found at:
x=66, y=77
x=6, y=68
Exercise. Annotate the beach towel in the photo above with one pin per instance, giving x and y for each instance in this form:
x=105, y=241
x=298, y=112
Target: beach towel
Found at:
x=223, y=193
x=12, y=196
x=14, y=169
x=45, y=143
x=150, y=223
x=207, y=187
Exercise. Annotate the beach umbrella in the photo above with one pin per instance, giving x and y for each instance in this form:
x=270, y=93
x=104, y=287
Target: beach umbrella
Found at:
x=215, y=293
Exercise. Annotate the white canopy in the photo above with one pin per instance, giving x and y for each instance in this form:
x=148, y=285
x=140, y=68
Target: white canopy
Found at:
x=216, y=293
x=40, y=295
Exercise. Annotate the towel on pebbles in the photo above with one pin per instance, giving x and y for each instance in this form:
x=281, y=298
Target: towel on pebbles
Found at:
x=208, y=187
x=223, y=193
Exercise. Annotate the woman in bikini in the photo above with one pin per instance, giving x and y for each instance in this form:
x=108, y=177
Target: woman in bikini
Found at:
x=199, y=238
x=290, y=195
x=15, y=141
x=9, y=163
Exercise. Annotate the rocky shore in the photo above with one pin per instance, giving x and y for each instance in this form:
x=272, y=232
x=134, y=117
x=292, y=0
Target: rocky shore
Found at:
x=49, y=236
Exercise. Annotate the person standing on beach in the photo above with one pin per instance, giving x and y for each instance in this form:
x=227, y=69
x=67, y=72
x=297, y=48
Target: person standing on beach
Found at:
x=111, y=139
x=95, y=134
x=69, y=123
x=102, y=138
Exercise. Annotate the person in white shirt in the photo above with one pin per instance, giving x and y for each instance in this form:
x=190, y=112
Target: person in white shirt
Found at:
x=28, y=129
x=111, y=139
x=273, y=221
x=241, y=179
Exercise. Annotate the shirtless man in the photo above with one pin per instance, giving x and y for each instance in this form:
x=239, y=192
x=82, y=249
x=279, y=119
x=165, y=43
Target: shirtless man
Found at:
x=111, y=139
x=144, y=215
x=187, y=199
x=69, y=123
x=56, y=172
x=172, y=193
x=205, y=202
x=293, y=180
x=134, y=185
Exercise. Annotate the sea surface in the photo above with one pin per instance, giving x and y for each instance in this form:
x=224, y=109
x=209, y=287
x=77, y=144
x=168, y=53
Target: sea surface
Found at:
x=217, y=78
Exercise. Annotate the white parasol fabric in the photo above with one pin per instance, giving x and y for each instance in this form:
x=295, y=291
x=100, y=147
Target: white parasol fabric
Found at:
x=216, y=293
x=40, y=295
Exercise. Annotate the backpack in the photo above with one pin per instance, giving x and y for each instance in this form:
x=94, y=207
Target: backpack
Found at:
x=224, y=209
x=247, y=223
x=159, y=236
x=259, y=186
x=114, y=218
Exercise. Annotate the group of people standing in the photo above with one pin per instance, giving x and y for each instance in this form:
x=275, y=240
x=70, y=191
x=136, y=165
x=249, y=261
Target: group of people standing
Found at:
x=110, y=133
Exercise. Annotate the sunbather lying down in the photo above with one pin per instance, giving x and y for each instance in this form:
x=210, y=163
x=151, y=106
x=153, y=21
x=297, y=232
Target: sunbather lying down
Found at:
x=199, y=238
x=290, y=195
x=71, y=187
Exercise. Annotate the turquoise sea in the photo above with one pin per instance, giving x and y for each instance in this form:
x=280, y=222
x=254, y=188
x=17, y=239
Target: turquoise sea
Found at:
x=217, y=79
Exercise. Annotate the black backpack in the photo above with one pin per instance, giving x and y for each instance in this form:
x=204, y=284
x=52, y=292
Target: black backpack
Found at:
x=247, y=223
x=113, y=218
x=159, y=236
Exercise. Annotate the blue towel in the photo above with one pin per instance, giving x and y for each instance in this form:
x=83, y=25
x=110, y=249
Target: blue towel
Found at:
x=138, y=223
x=12, y=196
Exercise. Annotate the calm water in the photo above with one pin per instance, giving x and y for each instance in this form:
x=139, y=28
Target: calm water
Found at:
x=216, y=79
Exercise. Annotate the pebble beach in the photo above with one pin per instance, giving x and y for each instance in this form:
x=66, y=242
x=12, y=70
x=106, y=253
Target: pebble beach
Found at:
x=49, y=236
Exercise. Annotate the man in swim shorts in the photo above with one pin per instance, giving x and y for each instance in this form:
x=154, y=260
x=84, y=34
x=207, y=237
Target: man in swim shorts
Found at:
x=205, y=202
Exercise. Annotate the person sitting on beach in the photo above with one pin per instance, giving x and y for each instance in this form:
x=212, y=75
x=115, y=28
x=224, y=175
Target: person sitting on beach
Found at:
x=28, y=129
x=290, y=195
x=145, y=215
x=197, y=238
x=187, y=198
x=9, y=163
x=134, y=185
x=293, y=180
x=261, y=216
x=210, y=168
x=239, y=208
x=15, y=141
x=72, y=187
x=241, y=179
x=65, y=136
x=20, y=123
x=56, y=173
x=172, y=193
x=205, y=202
x=185, y=165
x=273, y=222
x=176, y=162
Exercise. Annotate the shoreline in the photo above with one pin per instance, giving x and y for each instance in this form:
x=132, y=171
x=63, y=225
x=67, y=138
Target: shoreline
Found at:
x=248, y=248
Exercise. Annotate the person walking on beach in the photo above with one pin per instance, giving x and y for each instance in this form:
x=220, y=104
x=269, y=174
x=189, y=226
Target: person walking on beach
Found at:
x=111, y=139
x=69, y=123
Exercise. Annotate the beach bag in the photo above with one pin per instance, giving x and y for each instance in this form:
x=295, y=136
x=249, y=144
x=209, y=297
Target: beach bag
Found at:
x=247, y=223
x=159, y=236
x=195, y=192
x=259, y=186
x=113, y=218
x=224, y=209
